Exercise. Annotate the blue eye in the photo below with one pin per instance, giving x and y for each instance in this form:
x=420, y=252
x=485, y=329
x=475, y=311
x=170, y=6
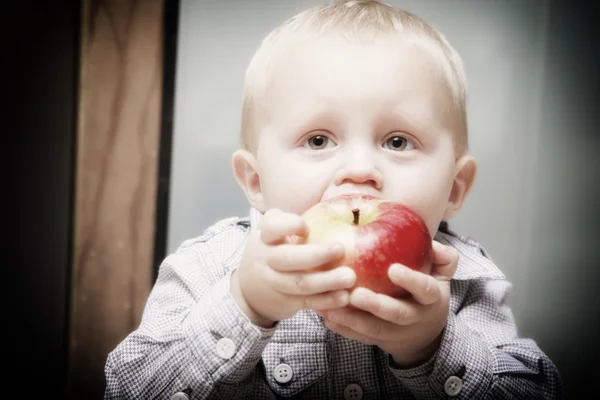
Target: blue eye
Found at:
x=398, y=143
x=318, y=142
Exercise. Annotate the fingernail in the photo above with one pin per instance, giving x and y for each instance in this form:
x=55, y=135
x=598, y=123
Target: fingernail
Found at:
x=337, y=250
x=358, y=298
x=396, y=271
x=348, y=279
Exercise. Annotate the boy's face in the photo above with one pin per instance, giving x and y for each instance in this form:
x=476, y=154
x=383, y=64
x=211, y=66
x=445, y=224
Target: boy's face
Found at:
x=346, y=118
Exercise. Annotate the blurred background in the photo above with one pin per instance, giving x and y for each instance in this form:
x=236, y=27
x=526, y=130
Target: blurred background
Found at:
x=120, y=123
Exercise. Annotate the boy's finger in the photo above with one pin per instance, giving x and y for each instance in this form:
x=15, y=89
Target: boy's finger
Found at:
x=445, y=261
x=312, y=283
x=424, y=288
x=276, y=225
x=291, y=257
x=322, y=301
x=392, y=310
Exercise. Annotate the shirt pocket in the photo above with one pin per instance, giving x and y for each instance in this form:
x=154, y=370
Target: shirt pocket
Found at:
x=292, y=367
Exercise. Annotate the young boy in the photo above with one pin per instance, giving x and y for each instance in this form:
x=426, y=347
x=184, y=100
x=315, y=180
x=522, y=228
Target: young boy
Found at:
x=354, y=97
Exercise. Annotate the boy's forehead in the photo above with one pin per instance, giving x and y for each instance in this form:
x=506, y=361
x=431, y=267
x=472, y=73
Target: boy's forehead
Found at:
x=330, y=55
x=386, y=69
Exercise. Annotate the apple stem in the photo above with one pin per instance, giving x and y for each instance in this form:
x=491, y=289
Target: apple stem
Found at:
x=356, y=213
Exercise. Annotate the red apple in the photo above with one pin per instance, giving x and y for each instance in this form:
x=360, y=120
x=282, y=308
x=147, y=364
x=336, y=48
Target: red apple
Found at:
x=376, y=234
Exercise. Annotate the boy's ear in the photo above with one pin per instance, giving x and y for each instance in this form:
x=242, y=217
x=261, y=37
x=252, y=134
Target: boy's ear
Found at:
x=246, y=174
x=466, y=169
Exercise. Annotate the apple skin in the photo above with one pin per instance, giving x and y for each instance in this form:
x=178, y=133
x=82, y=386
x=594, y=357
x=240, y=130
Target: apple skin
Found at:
x=385, y=233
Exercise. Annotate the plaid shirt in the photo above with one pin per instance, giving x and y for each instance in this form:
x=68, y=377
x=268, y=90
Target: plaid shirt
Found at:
x=194, y=342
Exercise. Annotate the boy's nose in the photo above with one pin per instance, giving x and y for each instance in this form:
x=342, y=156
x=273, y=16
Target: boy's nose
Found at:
x=359, y=169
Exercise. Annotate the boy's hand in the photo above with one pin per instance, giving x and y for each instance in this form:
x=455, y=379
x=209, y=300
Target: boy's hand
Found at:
x=275, y=278
x=409, y=330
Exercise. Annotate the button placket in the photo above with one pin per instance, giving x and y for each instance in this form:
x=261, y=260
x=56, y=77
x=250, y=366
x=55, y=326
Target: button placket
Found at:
x=283, y=373
x=353, y=392
x=453, y=386
x=180, y=396
x=225, y=348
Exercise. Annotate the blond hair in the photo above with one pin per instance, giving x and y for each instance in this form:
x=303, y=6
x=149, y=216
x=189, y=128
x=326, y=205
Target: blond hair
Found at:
x=357, y=20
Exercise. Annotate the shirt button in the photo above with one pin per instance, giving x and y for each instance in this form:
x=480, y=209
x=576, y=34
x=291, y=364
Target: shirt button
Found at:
x=225, y=348
x=353, y=392
x=180, y=396
x=283, y=373
x=453, y=386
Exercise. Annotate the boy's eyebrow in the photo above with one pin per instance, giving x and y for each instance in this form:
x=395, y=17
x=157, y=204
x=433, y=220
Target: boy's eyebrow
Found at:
x=307, y=120
x=420, y=124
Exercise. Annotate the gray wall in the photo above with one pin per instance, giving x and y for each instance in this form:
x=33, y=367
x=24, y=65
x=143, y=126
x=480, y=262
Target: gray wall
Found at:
x=518, y=118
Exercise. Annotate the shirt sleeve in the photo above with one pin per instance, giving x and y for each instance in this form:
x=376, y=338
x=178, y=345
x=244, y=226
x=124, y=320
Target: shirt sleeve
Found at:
x=193, y=337
x=481, y=355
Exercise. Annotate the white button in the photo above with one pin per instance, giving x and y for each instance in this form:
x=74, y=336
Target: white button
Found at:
x=225, y=348
x=180, y=396
x=453, y=386
x=353, y=392
x=283, y=373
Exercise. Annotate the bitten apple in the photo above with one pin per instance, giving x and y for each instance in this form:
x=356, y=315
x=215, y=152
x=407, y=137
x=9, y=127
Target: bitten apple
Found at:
x=376, y=234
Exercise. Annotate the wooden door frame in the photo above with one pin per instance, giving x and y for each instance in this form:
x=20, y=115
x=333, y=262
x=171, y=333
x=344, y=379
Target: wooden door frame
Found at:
x=122, y=179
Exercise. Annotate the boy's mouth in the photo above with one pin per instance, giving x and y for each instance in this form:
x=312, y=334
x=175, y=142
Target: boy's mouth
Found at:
x=350, y=191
